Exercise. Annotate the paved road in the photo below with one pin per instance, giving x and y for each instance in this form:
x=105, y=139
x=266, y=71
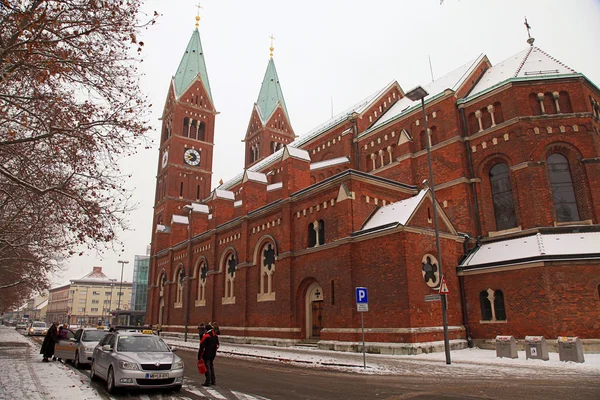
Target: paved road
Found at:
x=247, y=378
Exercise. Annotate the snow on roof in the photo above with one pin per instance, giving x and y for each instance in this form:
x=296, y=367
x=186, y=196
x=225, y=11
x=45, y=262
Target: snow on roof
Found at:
x=329, y=163
x=274, y=186
x=179, y=219
x=296, y=153
x=398, y=212
x=162, y=228
x=512, y=250
x=303, y=139
x=95, y=274
x=201, y=208
x=237, y=203
x=529, y=63
x=453, y=80
x=254, y=176
x=224, y=194
x=42, y=305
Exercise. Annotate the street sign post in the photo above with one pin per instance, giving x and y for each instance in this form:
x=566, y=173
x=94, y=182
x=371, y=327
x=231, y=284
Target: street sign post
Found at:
x=362, y=305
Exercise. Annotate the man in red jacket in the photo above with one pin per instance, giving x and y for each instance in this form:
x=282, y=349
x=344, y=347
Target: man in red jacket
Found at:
x=209, y=343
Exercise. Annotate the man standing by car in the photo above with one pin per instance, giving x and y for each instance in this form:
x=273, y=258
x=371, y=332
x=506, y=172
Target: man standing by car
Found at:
x=49, y=341
x=209, y=343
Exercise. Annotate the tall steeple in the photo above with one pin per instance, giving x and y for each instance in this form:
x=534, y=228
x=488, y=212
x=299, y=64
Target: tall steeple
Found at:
x=192, y=65
x=269, y=128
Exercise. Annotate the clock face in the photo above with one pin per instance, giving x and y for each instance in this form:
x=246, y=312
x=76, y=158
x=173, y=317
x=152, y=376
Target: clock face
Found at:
x=165, y=158
x=191, y=157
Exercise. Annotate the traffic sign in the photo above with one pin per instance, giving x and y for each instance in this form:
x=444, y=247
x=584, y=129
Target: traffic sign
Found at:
x=444, y=287
x=362, y=295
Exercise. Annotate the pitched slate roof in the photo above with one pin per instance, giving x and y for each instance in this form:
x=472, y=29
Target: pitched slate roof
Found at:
x=270, y=93
x=395, y=213
x=192, y=64
x=529, y=63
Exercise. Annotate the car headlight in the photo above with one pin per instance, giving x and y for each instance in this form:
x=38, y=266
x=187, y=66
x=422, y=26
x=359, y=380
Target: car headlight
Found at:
x=128, y=365
x=177, y=365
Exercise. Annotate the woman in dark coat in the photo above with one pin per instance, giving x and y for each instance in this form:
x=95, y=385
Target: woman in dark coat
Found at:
x=49, y=342
x=209, y=343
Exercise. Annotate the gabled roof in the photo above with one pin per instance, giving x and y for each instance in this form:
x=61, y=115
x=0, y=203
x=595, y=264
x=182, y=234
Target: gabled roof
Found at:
x=95, y=274
x=541, y=246
x=452, y=81
x=192, y=64
x=270, y=94
x=530, y=63
x=395, y=213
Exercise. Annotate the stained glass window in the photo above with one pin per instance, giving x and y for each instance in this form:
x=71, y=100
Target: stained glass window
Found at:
x=563, y=194
x=504, y=208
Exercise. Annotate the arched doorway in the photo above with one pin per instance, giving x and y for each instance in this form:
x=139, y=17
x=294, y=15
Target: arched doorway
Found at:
x=314, y=311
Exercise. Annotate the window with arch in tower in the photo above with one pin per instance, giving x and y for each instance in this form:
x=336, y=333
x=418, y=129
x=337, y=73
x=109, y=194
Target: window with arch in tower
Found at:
x=502, y=197
x=316, y=233
x=267, y=270
x=202, y=274
x=563, y=194
x=230, y=272
x=179, y=278
x=492, y=305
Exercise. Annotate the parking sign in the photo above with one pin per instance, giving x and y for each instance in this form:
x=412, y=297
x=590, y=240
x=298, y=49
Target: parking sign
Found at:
x=362, y=299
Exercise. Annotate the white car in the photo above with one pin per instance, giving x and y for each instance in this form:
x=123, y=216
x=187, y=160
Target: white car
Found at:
x=37, y=328
x=79, y=348
x=136, y=360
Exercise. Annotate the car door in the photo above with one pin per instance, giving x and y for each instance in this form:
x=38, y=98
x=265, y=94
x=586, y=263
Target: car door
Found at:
x=64, y=348
x=101, y=356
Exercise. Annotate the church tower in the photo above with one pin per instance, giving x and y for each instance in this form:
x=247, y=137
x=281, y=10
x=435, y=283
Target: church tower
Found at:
x=269, y=127
x=187, y=136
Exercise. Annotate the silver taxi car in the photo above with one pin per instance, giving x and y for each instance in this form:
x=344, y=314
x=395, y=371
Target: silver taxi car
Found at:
x=137, y=359
x=79, y=349
x=37, y=328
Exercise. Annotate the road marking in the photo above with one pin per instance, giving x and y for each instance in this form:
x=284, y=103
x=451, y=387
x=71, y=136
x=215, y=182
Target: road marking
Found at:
x=144, y=397
x=243, y=396
x=216, y=394
x=193, y=390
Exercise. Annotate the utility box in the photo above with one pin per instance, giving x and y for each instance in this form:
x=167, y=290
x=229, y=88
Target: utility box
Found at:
x=506, y=347
x=536, y=348
x=570, y=349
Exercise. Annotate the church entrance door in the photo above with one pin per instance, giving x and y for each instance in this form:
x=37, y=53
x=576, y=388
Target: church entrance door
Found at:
x=314, y=311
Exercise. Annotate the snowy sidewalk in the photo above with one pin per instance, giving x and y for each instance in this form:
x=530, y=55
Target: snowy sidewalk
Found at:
x=468, y=362
x=23, y=375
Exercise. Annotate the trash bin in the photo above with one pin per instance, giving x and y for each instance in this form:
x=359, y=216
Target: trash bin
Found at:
x=506, y=346
x=536, y=348
x=570, y=349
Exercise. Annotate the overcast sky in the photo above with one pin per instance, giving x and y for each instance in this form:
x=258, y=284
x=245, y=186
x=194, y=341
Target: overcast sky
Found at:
x=328, y=49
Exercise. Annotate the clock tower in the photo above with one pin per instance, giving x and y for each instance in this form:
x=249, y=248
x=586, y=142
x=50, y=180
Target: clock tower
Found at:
x=187, y=137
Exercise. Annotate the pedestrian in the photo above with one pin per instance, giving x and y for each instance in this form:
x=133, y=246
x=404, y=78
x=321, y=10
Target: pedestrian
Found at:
x=216, y=328
x=49, y=341
x=209, y=344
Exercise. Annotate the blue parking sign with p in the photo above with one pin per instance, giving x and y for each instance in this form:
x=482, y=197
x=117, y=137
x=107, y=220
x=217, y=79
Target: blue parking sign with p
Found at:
x=362, y=296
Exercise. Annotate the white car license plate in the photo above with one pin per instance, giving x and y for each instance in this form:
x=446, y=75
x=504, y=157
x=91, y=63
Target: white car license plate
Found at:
x=156, y=376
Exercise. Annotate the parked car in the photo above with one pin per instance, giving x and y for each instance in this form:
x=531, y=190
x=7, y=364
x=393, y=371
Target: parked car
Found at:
x=37, y=328
x=80, y=349
x=136, y=360
x=21, y=325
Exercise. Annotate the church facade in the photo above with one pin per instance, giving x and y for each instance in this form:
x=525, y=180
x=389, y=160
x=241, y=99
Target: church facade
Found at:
x=275, y=253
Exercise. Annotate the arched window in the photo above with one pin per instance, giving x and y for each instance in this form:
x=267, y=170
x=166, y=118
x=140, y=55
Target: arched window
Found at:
x=549, y=105
x=230, y=272
x=162, y=280
x=201, y=131
x=194, y=129
x=565, y=203
x=564, y=102
x=486, y=306
x=179, y=277
x=504, y=208
x=267, y=270
x=423, y=140
x=316, y=233
x=186, y=127
x=498, y=113
x=534, y=104
x=499, y=306
x=202, y=274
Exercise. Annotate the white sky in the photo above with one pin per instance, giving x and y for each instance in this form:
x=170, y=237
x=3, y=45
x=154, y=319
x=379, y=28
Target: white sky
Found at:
x=336, y=49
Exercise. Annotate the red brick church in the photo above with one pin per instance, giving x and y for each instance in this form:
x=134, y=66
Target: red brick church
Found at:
x=274, y=254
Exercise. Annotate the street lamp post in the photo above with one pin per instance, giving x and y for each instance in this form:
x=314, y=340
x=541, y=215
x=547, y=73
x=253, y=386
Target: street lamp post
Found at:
x=189, y=208
x=120, y=288
x=416, y=94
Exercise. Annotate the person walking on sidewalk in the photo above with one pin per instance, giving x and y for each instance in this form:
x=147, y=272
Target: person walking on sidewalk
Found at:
x=209, y=343
x=49, y=341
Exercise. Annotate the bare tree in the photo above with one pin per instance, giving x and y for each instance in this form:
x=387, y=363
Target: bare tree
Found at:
x=70, y=108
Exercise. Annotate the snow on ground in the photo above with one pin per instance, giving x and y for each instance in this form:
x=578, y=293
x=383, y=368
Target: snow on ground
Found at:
x=466, y=362
x=23, y=375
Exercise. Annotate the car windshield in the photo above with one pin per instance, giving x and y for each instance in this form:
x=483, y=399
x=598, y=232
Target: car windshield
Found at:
x=93, y=336
x=141, y=344
x=39, y=325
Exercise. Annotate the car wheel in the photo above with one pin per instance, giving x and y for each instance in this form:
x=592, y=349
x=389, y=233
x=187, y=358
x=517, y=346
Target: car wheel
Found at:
x=110, y=381
x=93, y=375
x=177, y=388
x=76, y=363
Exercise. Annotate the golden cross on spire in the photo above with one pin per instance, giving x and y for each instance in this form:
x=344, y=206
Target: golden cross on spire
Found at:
x=272, y=48
x=530, y=40
x=198, y=15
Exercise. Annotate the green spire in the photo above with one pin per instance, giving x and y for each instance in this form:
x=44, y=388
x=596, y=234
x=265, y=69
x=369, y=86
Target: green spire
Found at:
x=270, y=93
x=191, y=65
